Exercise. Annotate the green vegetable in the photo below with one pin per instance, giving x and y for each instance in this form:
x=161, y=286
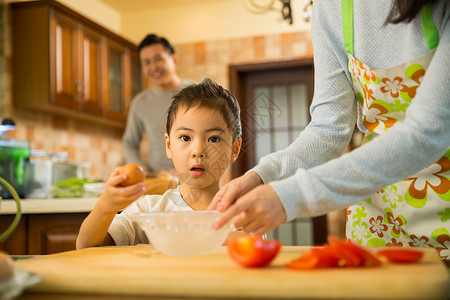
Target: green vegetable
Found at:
x=70, y=188
x=71, y=182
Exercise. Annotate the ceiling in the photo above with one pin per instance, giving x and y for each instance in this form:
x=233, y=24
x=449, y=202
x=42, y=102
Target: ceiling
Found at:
x=139, y=5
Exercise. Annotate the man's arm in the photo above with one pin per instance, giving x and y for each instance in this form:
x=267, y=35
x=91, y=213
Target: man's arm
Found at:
x=132, y=137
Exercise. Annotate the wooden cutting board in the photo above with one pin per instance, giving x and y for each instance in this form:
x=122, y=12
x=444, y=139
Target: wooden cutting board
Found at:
x=143, y=270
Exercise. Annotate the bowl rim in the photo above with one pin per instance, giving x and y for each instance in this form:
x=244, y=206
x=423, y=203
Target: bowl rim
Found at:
x=179, y=213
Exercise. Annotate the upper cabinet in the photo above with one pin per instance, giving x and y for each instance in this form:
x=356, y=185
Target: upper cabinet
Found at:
x=65, y=64
x=117, y=87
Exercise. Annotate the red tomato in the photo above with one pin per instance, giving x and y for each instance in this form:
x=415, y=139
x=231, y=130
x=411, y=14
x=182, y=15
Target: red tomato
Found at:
x=401, y=255
x=253, y=251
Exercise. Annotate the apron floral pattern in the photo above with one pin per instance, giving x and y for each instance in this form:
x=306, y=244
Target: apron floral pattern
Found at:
x=415, y=211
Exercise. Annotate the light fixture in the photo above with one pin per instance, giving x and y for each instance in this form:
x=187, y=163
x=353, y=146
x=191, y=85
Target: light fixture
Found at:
x=269, y=5
x=307, y=11
x=264, y=6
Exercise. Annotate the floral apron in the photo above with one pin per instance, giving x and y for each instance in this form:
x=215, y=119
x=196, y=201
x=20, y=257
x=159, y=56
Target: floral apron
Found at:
x=415, y=211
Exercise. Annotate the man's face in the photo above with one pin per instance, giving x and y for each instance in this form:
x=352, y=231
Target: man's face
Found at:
x=158, y=65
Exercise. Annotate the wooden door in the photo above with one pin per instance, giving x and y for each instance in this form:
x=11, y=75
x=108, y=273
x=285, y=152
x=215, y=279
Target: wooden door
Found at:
x=90, y=64
x=275, y=98
x=16, y=243
x=64, y=61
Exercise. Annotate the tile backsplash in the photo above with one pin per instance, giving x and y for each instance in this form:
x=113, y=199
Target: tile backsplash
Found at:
x=101, y=146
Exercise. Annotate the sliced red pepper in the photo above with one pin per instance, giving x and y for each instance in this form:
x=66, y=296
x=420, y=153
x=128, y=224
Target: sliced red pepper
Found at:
x=308, y=260
x=348, y=258
x=336, y=254
x=402, y=255
x=366, y=257
x=317, y=258
x=253, y=251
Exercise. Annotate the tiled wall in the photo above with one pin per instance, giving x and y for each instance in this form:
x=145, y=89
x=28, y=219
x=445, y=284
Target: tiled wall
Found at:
x=212, y=58
x=101, y=146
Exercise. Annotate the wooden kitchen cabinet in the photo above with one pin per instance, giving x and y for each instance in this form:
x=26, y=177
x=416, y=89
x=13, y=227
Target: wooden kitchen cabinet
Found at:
x=65, y=64
x=90, y=84
x=117, y=85
x=76, y=52
x=16, y=242
x=137, y=84
x=64, y=51
x=39, y=234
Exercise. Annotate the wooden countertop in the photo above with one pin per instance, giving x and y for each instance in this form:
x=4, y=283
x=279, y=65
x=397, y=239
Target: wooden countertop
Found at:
x=144, y=271
x=48, y=205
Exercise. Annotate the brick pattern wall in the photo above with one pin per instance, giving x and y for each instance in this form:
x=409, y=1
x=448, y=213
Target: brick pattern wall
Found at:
x=212, y=58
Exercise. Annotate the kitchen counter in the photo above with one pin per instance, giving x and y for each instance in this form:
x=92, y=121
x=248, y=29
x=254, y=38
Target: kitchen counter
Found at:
x=46, y=225
x=154, y=185
x=48, y=205
x=137, y=271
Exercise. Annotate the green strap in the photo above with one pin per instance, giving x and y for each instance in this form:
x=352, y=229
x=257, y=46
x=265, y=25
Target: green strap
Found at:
x=347, y=24
x=429, y=30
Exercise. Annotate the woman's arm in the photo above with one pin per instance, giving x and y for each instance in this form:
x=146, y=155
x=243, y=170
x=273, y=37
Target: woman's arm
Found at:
x=403, y=150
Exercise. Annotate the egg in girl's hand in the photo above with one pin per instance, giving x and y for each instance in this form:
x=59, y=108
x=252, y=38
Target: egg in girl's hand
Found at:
x=134, y=172
x=6, y=266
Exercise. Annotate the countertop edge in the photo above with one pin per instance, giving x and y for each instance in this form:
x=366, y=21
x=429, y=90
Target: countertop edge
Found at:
x=52, y=205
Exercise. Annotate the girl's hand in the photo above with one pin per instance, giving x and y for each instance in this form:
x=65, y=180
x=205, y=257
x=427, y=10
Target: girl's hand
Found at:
x=115, y=197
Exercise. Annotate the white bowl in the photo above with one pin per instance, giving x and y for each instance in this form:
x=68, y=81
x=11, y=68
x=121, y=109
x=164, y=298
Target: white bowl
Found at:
x=183, y=233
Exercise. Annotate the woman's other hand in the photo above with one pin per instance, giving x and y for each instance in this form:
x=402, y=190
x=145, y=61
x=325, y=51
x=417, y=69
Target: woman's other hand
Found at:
x=234, y=189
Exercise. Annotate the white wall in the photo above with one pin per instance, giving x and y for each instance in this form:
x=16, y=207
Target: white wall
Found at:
x=209, y=20
x=190, y=21
x=98, y=12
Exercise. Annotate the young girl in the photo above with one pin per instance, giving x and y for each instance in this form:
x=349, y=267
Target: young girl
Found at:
x=203, y=137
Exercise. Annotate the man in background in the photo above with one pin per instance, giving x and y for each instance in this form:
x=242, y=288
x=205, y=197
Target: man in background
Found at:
x=149, y=108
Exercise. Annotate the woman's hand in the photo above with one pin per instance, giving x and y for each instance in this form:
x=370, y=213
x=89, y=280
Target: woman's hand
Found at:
x=256, y=208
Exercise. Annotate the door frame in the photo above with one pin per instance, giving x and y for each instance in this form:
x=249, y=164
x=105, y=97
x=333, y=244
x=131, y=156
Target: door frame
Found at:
x=238, y=75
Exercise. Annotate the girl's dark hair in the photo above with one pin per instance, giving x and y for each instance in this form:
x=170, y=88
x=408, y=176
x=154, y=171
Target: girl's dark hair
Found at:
x=405, y=10
x=152, y=39
x=210, y=95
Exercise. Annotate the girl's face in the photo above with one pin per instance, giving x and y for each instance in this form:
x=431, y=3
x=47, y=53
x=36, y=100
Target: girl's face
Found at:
x=201, y=146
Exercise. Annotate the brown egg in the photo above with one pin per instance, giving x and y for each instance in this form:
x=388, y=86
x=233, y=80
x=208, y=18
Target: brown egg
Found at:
x=6, y=266
x=134, y=172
